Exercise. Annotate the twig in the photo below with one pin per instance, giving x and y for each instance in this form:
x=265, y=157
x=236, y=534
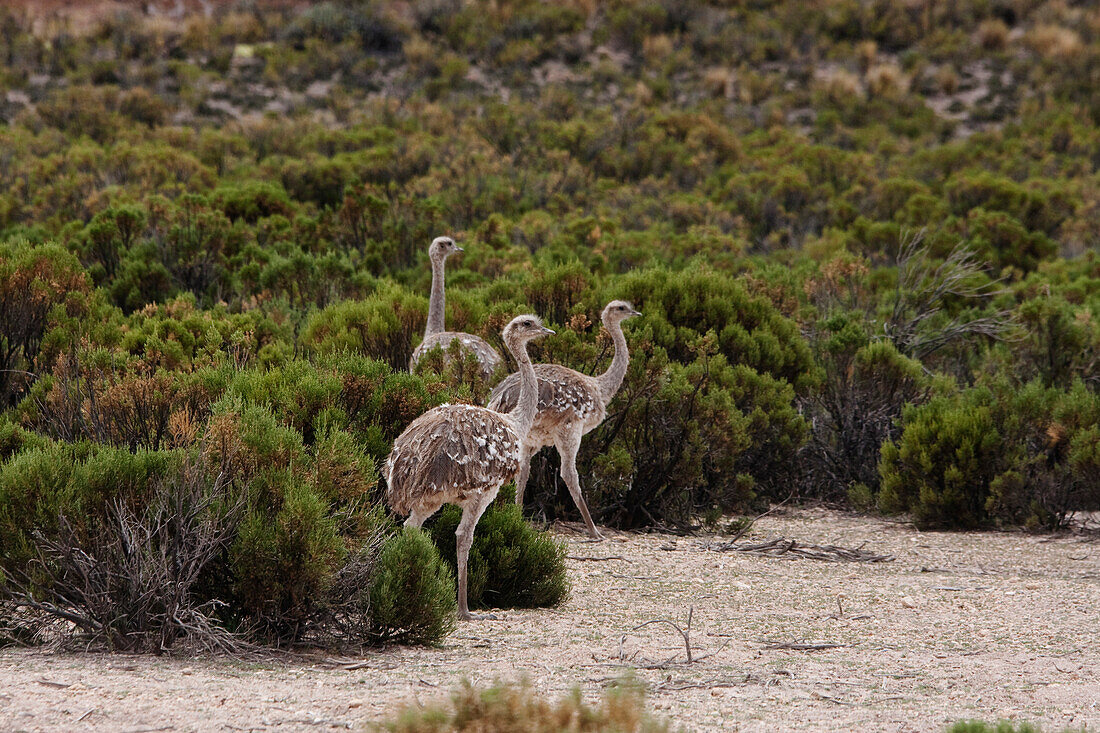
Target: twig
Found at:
x=819, y=696
x=710, y=684
x=682, y=631
x=613, y=574
x=798, y=646
x=584, y=558
x=86, y=713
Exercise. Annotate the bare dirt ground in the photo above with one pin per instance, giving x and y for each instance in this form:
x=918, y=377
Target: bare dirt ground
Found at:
x=985, y=626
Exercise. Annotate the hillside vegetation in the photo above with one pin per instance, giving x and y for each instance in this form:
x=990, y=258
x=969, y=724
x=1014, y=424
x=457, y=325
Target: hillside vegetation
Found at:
x=863, y=236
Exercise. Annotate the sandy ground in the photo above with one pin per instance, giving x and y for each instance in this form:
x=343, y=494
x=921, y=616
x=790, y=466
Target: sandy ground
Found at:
x=985, y=626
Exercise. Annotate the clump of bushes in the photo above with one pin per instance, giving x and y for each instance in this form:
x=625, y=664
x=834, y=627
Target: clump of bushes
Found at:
x=516, y=707
x=118, y=547
x=996, y=455
x=511, y=564
x=144, y=551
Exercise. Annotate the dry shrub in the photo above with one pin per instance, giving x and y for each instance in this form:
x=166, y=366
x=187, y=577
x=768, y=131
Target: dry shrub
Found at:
x=720, y=82
x=866, y=53
x=133, y=406
x=840, y=85
x=34, y=280
x=1054, y=42
x=657, y=48
x=992, y=34
x=506, y=708
x=947, y=79
x=126, y=579
x=886, y=80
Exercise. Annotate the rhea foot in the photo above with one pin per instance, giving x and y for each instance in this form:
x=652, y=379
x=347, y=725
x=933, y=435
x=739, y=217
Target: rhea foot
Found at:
x=467, y=616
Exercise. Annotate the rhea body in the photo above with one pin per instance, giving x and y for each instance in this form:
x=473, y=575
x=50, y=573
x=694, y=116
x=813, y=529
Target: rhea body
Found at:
x=463, y=454
x=570, y=405
x=435, y=333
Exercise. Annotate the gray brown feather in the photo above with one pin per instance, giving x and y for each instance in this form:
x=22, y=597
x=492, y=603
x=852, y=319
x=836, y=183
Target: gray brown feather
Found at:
x=448, y=454
x=567, y=399
x=488, y=357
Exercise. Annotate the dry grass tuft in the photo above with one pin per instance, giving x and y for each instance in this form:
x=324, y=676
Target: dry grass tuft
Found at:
x=867, y=53
x=947, y=79
x=1054, y=41
x=840, y=85
x=992, y=35
x=886, y=80
x=657, y=48
x=720, y=82
x=509, y=708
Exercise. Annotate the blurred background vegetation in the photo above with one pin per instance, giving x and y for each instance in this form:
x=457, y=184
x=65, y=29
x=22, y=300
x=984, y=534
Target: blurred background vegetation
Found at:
x=864, y=235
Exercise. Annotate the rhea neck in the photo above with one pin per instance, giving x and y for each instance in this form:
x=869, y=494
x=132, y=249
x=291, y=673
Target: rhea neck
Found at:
x=523, y=414
x=437, y=305
x=610, y=381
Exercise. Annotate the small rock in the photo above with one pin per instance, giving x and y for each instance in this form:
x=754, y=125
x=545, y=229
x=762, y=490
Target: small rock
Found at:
x=909, y=602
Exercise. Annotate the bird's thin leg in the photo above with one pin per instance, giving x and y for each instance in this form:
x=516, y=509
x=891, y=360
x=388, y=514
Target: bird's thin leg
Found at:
x=524, y=472
x=464, y=539
x=568, y=452
x=418, y=515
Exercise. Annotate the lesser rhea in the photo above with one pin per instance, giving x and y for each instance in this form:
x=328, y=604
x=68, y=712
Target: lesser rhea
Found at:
x=463, y=454
x=571, y=404
x=434, y=333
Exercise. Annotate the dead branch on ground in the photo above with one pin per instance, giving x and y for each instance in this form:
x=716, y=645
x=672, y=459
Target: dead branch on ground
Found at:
x=780, y=547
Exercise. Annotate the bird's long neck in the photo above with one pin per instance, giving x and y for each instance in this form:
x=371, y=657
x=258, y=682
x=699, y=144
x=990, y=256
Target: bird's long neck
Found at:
x=438, y=303
x=612, y=379
x=523, y=414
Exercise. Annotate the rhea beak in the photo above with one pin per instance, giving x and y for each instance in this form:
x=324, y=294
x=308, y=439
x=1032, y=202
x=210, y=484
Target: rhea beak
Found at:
x=548, y=331
x=459, y=249
x=635, y=313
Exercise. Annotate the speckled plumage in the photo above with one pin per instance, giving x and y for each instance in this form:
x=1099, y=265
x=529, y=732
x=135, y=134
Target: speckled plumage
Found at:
x=434, y=334
x=463, y=454
x=449, y=454
x=570, y=405
x=567, y=398
x=486, y=355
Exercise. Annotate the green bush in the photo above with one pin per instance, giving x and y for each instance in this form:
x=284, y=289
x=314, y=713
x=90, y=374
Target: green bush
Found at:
x=680, y=308
x=283, y=558
x=984, y=456
x=412, y=593
x=943, y=464
x=384, y=326
x=511, y=564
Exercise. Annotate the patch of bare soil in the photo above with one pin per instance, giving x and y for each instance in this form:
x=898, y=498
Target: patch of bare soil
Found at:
x=958, y=626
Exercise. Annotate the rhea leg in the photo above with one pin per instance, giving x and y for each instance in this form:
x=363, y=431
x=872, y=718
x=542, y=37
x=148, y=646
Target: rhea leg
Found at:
x=567, y=450
x=419, y=514
x=464, y=539
x=524, y=472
